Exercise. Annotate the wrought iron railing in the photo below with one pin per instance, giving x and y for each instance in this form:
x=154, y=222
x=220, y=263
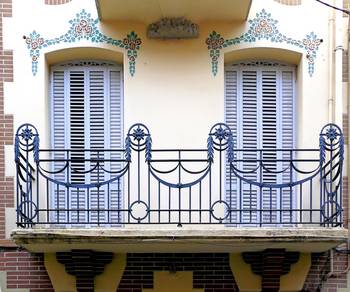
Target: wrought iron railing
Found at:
x=142, y=185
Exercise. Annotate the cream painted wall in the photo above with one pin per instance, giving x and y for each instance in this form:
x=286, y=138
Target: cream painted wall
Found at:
x=173, y=91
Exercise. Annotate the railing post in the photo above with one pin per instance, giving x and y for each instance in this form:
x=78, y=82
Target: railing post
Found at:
x=138, y=139
x=331, y=171
x=26, y=141
x=220, y=139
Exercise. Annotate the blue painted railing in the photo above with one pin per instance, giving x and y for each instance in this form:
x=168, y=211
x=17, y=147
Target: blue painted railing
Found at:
x=142, y=185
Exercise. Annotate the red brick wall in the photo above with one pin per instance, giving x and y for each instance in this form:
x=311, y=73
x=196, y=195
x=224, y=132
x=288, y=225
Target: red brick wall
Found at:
x=56, y=2
x=211, y=271
x=318, y=278
x=6, y=121
x=25, y=270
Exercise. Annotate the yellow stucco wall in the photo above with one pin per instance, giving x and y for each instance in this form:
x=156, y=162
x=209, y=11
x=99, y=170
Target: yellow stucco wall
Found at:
x=249, y=282
x=173, y=282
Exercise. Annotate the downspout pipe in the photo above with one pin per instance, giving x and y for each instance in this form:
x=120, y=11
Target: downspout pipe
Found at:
x=338, y=62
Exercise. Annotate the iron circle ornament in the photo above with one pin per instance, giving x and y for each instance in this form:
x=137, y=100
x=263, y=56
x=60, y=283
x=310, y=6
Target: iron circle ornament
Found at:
x=220, y=210
x=332, y=133
x=221, y=134
x=332, y=214
x=26, y=134
x=137, y=208
x=138, y=134
x=27, y=205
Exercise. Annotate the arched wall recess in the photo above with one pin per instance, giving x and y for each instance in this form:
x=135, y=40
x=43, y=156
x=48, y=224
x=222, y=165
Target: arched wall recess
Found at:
x=263, y=27
x=83, y=27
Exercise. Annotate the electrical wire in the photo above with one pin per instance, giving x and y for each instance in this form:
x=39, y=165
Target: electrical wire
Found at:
x=334, y=7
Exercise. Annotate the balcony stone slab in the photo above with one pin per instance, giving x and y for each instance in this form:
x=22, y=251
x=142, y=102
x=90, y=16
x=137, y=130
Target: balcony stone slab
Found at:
x=211, y=239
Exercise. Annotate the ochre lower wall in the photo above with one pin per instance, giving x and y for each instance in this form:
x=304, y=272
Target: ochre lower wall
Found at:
x=106, y=282
x=248, y=281
x=174, y=282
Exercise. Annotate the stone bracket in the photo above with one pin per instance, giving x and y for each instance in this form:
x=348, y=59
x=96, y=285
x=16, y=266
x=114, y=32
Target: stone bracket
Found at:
x=271, y=264
x=84, y=265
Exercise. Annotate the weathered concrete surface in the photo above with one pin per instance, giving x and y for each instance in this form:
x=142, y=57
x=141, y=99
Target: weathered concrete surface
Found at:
x=180, y=240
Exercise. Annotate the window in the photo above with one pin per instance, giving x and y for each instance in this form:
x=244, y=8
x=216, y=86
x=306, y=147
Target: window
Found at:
x=87, y=113
x=259, y=101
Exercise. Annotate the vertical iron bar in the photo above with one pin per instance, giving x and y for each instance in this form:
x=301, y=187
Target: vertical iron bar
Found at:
x=179, y=183
x=88, y=204
x=78, y=205
x=210, y=195
x=200, y=202
x=118, y=202
x=58, y=202
x=149, y=192
x=261, y=190
x=291, y=188
x=68, y=181
x=129, y=210
x=37, y=193
x=98, y=188
x=159, y=202
x=47, y=201
x=301, y=203
x=169, y=210
x=280, y=206
x=109, y=203
x=270, y=204
x=311, y=204
x=190, y=203
x=230, y=191
x=240, y=202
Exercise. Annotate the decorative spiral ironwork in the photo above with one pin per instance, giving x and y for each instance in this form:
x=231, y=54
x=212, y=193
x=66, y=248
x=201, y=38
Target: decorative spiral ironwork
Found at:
x=221, y=134
x=334, y=210
x=27, y=139
x=220, y=138
x=26, y=134
x=179, y=185
x=331, y=137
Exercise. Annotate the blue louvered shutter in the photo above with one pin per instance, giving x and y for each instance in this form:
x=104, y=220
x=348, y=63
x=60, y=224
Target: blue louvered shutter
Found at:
x=93, y=120
x=259, y=101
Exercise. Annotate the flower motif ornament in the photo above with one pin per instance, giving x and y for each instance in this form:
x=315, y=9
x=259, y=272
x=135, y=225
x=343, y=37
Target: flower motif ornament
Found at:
x=311, y=44
x=220, y=133
x=138, y=134
x=214, y=43
x=34, y=44
x=132, y=44
x=263, y=26
x=27, y=134
x=332, y=134
x=83, y=27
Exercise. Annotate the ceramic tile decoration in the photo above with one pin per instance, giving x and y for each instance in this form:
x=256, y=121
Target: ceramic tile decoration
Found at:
x=83, y=27
x=263, y=27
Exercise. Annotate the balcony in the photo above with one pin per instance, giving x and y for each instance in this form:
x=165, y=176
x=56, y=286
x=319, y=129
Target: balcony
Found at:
x=153, y=10
x=220, y=194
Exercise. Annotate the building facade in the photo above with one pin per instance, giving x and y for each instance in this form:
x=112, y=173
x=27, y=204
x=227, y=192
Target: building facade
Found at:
x=174, y=145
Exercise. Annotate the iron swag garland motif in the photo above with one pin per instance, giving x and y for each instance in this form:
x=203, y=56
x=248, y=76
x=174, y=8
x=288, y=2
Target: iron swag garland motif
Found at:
x=83, y=27
x=263, y=26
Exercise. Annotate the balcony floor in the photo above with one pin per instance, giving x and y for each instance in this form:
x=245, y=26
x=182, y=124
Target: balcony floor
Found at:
x=185, y=239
